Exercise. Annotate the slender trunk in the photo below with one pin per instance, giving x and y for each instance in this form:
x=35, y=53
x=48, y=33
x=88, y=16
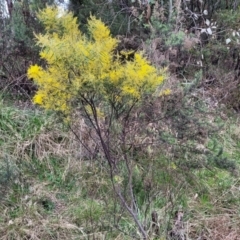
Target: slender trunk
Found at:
x=9, y=7
x=170, y=9
x=111, y=8
x=132, y=210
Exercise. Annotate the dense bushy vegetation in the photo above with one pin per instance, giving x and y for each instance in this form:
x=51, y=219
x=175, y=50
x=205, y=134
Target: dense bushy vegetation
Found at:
x=125, y=149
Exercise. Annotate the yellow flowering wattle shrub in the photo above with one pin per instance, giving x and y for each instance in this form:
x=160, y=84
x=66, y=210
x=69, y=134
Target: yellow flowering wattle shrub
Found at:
x=80, y=67
x=85, y=74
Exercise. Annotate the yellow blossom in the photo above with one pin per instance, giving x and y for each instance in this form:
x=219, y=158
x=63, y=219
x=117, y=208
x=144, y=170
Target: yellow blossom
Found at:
x=34, y=72
x=80, y=67
x=38, y=98
x=165, y=92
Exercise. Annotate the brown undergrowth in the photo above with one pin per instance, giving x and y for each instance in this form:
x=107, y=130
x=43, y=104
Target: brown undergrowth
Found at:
x=56, y=189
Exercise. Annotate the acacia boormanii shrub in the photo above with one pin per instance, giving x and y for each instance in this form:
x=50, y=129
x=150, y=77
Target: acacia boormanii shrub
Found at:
x=82, y=68
x=85, y=73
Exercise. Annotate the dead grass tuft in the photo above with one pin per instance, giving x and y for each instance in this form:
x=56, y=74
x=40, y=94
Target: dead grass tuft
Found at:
x=216, y=227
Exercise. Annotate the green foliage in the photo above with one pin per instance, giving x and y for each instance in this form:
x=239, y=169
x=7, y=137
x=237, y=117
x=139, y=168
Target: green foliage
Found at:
x=175, y=39
x=17, y=45
x=39, y=4
x=19, y=26
x=193, y=131
x=228, y=19
x=161, y=29
x=20, y=124
x=109, y=13
x=87, y=212
x=8, y=174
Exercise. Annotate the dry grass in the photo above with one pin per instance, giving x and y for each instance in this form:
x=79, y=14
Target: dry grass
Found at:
x=48, y=199
x=217, y=227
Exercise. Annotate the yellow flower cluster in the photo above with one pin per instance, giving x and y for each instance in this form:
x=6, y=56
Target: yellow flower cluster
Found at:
x=78, y=66
x=165, y=92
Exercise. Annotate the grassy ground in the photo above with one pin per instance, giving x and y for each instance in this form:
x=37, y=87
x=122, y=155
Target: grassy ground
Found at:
x=49, y=192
